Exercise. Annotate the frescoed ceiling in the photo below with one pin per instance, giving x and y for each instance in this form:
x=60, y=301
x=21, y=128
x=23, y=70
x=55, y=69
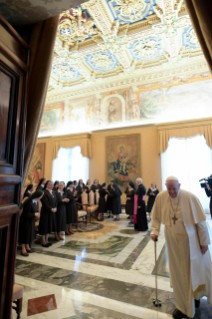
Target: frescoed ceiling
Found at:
x=109, y=43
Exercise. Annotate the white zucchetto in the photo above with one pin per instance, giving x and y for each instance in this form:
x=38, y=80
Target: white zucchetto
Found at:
x=172, y=178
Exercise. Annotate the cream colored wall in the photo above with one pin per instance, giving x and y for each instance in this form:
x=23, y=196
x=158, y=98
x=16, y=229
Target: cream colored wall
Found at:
x=149, y=158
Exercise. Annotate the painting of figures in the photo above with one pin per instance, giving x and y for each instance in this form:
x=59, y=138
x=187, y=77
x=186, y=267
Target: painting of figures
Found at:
x=52, y=119
x=37, y=167
x=176, y=103
x=114, y=110
x=122, y=159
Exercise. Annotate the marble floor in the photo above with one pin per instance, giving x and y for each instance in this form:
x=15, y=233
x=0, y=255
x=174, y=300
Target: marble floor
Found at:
x=108, y=272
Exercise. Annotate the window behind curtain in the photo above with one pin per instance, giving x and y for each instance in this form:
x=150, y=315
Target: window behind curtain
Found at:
x=70, y=165
x=189, y=159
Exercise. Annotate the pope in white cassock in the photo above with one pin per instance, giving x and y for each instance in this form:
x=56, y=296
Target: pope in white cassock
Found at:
x=187, y=241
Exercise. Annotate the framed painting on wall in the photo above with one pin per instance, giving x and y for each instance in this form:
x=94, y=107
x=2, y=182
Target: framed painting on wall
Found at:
x=122, y=159
x=37, y=167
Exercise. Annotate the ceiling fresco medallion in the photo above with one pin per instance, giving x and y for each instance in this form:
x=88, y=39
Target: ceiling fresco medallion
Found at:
x=101, y=61
x=63, y=71
x=147, y=48
x=190, y=39
x=131, y=11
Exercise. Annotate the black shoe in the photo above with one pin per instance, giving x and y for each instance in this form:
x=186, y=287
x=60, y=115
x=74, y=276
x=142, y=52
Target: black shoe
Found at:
x=109, y=216
x=46, y=245
x=197, y=303
x=177, y=314
x=49, y=244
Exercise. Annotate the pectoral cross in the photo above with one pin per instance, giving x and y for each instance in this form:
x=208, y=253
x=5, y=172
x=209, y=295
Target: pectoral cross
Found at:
x=174, y=219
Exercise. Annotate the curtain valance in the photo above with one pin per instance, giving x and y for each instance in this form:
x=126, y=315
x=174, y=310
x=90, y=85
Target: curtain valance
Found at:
x=184, y=130
x=82, y=140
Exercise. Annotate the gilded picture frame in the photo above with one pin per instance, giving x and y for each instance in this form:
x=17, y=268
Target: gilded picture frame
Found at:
x=37, y=169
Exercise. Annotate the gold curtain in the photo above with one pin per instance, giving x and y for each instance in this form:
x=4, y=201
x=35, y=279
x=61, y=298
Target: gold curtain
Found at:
x=200, y=12
x=41, y=39
x=184, y=130
x=83, y=140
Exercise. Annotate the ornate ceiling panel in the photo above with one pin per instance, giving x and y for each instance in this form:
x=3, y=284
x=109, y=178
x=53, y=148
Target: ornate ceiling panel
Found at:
x=132, y=41
x=128, y=11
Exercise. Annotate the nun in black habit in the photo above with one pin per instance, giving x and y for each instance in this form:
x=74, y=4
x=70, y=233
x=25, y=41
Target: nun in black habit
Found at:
x=29, y=190
x=152, y=193
x=48, y=222
x=41, y=184
x=102, y=203
x=130, y=192
x=80, y=188
x=27, y=222
x=88, y=188
x=116, y=200
x=62, y=200
x=141, y=223
x=109, y=201
x=71, y=208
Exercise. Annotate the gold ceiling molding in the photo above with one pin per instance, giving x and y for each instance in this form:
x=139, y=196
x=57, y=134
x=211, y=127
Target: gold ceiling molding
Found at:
x=183, y=10
x=146, y=80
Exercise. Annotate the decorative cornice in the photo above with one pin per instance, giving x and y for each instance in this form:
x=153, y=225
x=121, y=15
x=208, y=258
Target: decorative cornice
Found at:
x=142, y=80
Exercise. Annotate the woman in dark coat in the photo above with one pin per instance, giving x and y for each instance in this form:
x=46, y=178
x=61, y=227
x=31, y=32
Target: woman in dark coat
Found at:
x=116, y=203
x=41, y=184
x=71, y=208
x=130, y=192
x=141, y=223
x=62, y=200
x=29, y=190
x=102, y=203
x=27, y=222
x=109, y=201
x=152, y=193
x=48, y=215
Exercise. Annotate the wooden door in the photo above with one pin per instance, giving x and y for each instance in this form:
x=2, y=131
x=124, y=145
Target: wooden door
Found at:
x=14, y=55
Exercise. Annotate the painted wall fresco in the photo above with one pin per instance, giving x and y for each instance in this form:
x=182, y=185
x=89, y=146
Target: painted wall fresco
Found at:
x=128, y=107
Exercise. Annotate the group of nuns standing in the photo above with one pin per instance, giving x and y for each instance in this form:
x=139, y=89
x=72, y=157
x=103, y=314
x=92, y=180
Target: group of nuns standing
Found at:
x=113, y=203
x=59, y=210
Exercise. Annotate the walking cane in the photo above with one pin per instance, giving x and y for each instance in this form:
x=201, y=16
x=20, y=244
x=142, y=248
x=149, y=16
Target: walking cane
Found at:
x=156, y=301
